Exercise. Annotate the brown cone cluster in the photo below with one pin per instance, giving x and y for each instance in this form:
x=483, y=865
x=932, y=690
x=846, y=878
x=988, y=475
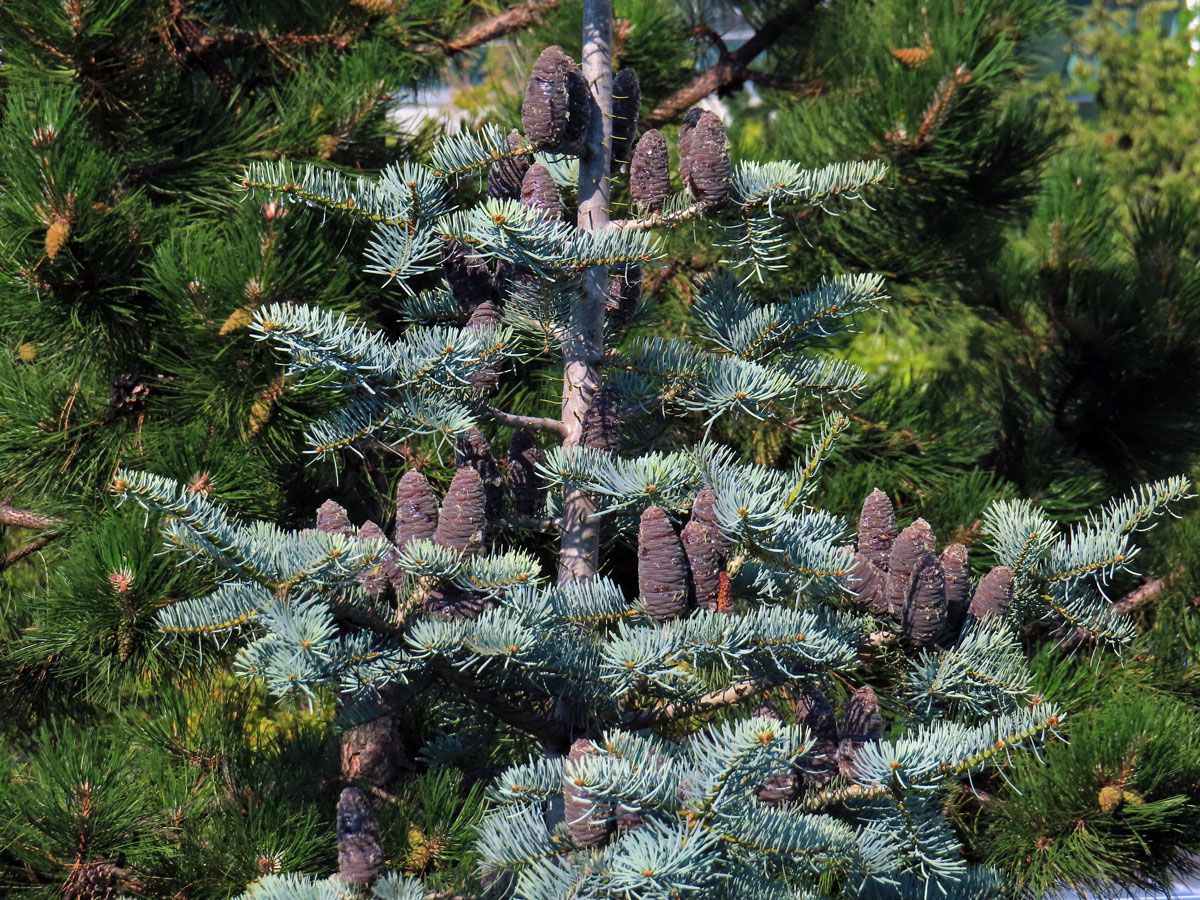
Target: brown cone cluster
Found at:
x=627, y=100
x=360, y=852
x=589, y=820
x=898, y=576
x=505, y=176
x=650, y=171
x=526, y=487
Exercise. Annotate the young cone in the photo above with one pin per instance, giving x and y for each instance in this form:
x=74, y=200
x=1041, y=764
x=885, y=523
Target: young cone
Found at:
x=650, y=171
x=994, y=594
x=506, y=175
x=332, y=519
x=471, y=449
x=539, y=192
x=463, y=515
x=924, y=616
x=686, y=127
x=704, y=563
x=877, y=528
x=956, y=568
x=708, y=167
x=589, y=821
x=545, y=108
x=624, y=292
x=814, y=711
x=911, y=546
x=416, y=509
x=861, y=724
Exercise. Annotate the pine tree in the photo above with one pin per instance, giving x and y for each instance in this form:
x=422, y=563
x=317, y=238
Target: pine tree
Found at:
x=654, y=740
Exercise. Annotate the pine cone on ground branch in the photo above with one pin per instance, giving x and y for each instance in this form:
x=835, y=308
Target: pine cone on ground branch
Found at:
x=627, y=100
x=650, y=171
x=463, y=516
x=601, y=426
x=360, y=852
x=416, y=509
x=472, y=449
x=505, y=176
x=526, y=487
x=704, y=564
x=589, y=821
x=662, y=566
x=994, y=594
x=538, y=191
x=708, y=168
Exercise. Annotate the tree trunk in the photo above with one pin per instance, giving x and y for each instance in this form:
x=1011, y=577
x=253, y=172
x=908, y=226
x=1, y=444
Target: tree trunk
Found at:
x=580, y=555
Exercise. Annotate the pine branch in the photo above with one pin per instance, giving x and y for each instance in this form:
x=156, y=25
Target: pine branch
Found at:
x=21, y=552
x=670, y=712
x=512, y=420
x=23, y=518
x=524, y=15
x=731, y=70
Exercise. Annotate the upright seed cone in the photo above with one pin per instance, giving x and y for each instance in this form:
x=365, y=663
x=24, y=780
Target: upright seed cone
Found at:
x=504, y=178
x=994, y=594
x=471, y=448
x=704, y=511
x=526, y=487
x=589, y=821
x=868, y=581
x=911, y=546
x=601, y=424
x=332, y=519
x=877, y=528
x=545, y=108
x=464, y=513
x=704, y=564
x=377, y=580
x=662, y=566
x=360, y=852
x=627, y=100
x=579, y=107
x=708, y=167
x=925, y=612
x=449, y=601
x=956, y=568
x=779, y=787
x=861, y=724
x=539, y=192
x=486, y=378
x=686, y=127
x=468, y=278
x=416, y=509
x=650, y=171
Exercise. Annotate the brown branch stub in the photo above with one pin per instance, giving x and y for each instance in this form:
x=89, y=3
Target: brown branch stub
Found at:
x=537, y=423
x=21, y=552
x=731, y=69
x=23, y=518
x=669, y=712
x=523, y=15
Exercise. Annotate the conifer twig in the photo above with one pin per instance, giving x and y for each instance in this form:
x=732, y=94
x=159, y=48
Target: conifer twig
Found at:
x=669, y=712
x=21, y=552
x=523, y=15
x=537, y=423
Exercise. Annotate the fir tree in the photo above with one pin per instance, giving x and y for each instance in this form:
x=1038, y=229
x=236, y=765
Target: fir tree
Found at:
x=653, y=767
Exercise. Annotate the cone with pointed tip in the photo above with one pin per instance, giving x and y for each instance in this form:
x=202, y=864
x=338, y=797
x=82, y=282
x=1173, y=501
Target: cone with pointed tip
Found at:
x=650, y=171
x=471, y=448
x=924, y=617
x=504, y=178
x=601, y=426
x=956, y=568
x=627, y=100
x=624, y=292
x=469, y=280
x=704, y=564
x=546, y=105
x=449, y=601
x=332, y=519
x=908, y=550
x=539, y=192
x=861, y=724
x=416, y=509
x=463, y=516
x=994, y=594
x=704, y=511
x=708, y=167
x=877, y=528
x=378, y=579
x=526, y=487
x=686, y=127
x=662, y=566
x=589, y=820
x=360, y=852
x=814, y=711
